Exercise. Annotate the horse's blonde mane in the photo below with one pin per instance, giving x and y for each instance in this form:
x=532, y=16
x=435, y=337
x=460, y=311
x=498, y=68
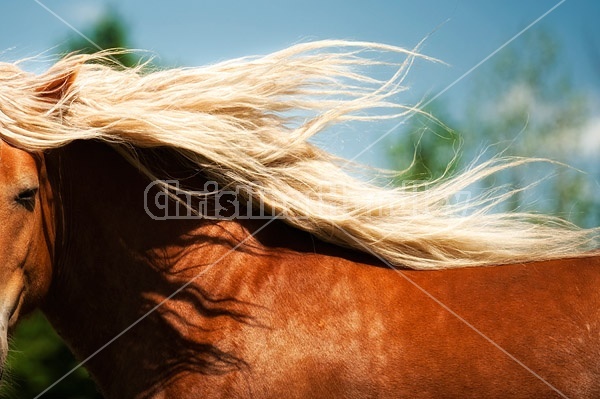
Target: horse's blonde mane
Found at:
x=247, y=122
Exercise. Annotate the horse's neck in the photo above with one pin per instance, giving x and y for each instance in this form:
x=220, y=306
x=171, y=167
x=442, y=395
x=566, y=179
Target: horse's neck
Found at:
x=115, y=263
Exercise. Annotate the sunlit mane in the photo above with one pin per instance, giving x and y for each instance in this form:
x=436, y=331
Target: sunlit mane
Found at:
x=247, y=122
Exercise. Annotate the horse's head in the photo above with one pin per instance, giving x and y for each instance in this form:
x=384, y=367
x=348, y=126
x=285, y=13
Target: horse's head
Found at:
x=25, y=248
x=27, y=229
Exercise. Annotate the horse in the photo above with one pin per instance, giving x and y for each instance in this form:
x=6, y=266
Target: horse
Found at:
x=185, y=239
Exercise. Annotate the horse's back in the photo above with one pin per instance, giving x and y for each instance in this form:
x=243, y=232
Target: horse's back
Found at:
x=311, y=322
x=352, y=330
x=528, y=326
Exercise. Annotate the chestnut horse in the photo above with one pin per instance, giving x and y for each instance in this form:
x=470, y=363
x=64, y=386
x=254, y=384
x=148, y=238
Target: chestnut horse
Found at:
x=175, y=293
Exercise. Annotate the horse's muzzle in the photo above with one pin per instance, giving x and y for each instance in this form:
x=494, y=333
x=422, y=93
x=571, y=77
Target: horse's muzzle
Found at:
x=10, y=305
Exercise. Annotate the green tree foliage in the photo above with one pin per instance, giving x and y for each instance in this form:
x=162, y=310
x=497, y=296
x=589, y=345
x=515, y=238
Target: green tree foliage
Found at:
x=524, y=103
x=521, y=104
x=38, y=359
x=109, y=32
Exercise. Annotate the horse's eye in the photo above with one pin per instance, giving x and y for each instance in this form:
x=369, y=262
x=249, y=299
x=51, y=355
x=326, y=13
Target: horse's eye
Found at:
x=26, y=198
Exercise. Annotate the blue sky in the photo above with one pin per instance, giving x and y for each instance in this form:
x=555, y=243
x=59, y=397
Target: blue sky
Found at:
x=199, y=32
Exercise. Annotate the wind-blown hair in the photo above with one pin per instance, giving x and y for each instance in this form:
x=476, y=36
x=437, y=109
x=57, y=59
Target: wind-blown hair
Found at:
x=247, y=121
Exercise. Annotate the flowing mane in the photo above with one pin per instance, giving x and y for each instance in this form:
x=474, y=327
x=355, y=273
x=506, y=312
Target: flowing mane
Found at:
x=247, y=122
